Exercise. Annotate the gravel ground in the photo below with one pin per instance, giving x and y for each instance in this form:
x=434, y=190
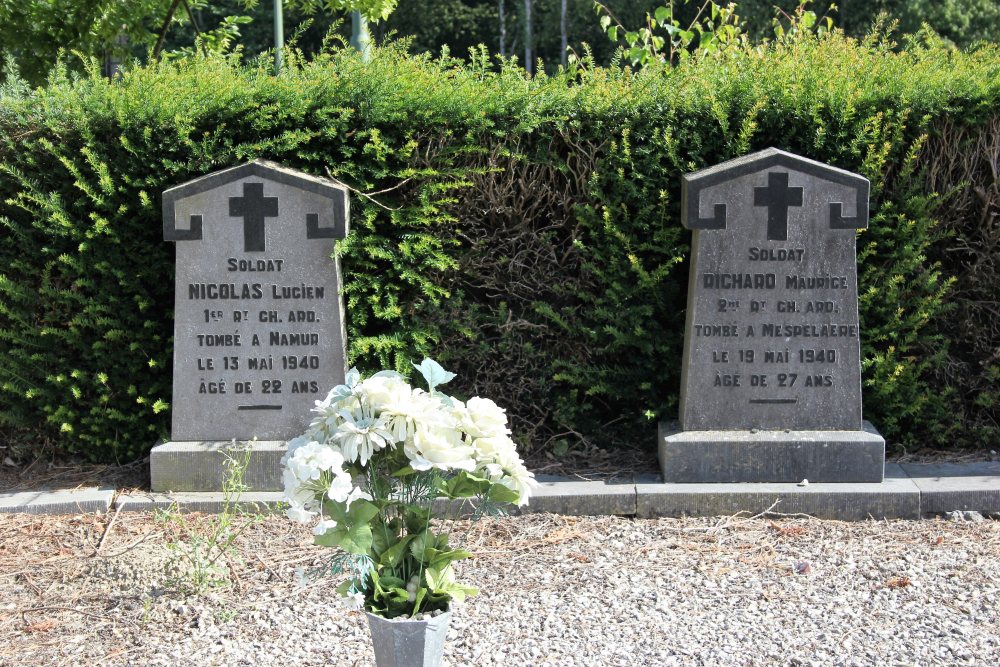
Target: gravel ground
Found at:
x=103, y=590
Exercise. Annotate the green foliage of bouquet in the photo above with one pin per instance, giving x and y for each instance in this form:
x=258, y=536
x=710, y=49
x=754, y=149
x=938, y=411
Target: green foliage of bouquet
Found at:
x=369, y=468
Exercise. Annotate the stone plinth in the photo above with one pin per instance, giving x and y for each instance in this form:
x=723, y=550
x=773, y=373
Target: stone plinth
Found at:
x=770, y=456
x=201, y=466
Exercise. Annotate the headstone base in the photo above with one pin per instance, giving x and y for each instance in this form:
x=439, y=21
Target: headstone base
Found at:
x=770, y=456
x=201, y=466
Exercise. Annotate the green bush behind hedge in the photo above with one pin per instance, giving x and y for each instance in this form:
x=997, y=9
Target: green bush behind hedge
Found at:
x=524, y=232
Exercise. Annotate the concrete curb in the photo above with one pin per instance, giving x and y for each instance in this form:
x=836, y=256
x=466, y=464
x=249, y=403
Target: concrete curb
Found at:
x=946, y=487
x=58, y=501
x=895, y=498
x=910, y=491
x=186, y=501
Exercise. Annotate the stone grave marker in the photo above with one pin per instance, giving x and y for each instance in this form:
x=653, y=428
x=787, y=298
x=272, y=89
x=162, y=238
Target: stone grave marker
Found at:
x=258, y=315
x=771, y=381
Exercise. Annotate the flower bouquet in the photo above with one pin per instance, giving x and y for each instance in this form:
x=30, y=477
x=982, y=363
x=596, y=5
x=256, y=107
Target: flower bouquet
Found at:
x=368, y=471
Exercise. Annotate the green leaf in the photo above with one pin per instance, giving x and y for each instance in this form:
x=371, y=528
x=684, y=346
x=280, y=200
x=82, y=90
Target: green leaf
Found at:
x=353, y=533
x=382, y=539
x=445, y=558
x=435, y=577
x=392, y=556
x=421, y=594
x=389, y=581
x=416, y=519
x=663, y=14
x=433, y=373
x=613, y=33
x=356, y=539
x=465, y=485
x=499, y=493
x=440, y=582
x=398, y=594
x=422, y=547
x=605, y=22
x=361, y=511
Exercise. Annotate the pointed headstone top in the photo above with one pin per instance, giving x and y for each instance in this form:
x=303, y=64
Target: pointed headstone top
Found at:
x=328, y=221
x=695, y=214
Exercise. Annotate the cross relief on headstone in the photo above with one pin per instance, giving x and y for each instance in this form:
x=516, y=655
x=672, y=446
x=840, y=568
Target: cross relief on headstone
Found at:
x=253, y=207
x=777, y=197
x=258, y=316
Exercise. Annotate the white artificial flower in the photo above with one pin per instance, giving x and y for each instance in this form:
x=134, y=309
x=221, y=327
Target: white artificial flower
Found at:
x=323, y=526
x=355, y=494
x=296, y=492
x=354, y=601
x=406, y=407
x=500, y=463
x=340, y=487
x=293, y=445
x=311, y=459
x=299, y=513
x=328, y=418
x=439, y=447
x=385, y=390
x=360, y=434
x=484, y=418
x=521, y=480
x=500, y=450
x=303, y=472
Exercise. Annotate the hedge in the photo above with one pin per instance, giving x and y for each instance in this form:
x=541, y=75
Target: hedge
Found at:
x=524, y=232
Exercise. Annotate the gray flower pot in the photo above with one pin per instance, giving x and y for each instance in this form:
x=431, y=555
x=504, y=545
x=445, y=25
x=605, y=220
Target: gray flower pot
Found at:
x=403, y=642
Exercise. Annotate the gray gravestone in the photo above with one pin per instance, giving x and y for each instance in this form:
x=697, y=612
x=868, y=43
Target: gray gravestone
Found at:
x=258, y=315
x=772, y=342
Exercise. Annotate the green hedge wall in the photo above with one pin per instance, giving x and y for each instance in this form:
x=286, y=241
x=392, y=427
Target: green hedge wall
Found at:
x=523, y=232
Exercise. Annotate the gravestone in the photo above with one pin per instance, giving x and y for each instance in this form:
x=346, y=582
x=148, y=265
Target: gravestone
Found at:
x=771, y=380
x=258, y=315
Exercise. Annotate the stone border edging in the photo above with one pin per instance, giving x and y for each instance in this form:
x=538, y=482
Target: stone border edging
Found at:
x=910, y=491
